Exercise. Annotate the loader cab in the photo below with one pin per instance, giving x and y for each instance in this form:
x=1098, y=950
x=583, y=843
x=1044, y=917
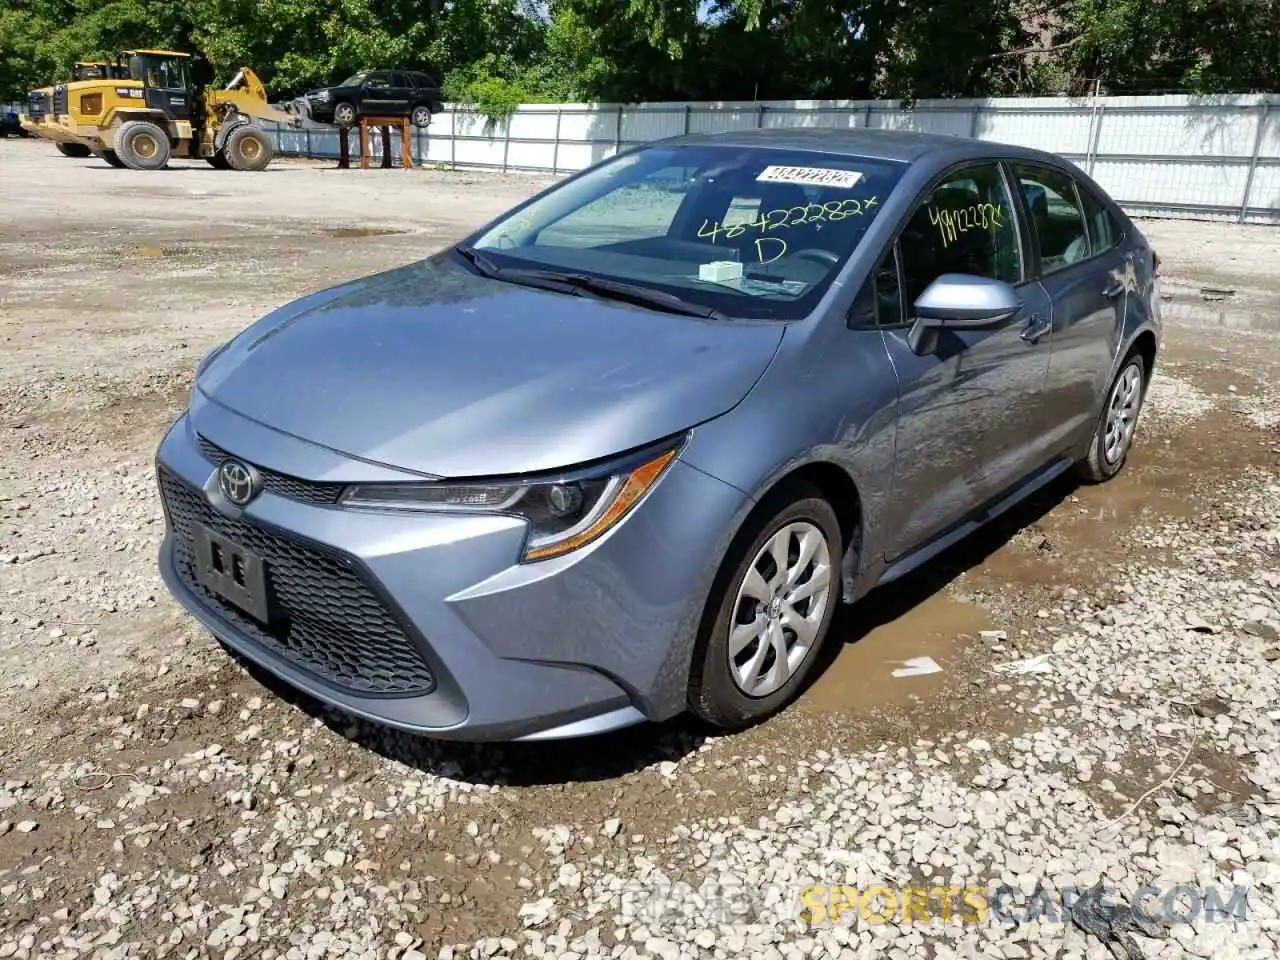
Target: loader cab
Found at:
x=166, y=81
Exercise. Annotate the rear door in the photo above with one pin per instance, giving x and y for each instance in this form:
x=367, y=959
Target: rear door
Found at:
x=969, y=411
x=402, y=91
x=1083, y=267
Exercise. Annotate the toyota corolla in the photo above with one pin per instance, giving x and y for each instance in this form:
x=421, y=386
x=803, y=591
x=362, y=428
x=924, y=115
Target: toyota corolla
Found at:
x=623, y=451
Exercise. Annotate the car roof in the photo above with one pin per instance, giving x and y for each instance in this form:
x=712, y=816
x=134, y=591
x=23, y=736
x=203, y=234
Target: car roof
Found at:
x=905, y=146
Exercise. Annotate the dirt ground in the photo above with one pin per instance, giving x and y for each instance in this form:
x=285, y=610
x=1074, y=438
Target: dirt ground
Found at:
x=158, y=799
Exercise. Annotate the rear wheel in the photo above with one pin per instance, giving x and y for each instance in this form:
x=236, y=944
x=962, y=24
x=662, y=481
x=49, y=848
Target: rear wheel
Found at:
x=1117, y=424
x=775, y=599
x=344, y=114
x=247, y=148
x=77, y=150
x=142, y=145
x=112, y=158
x=421, y=117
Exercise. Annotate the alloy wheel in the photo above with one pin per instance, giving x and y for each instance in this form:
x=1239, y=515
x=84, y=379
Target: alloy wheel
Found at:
x=779, y=608
x=1122, y=414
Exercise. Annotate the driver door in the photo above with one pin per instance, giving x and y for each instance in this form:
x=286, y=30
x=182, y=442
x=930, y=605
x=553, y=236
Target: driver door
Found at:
x=379, y=95
x=166, y=88
x=970, y=404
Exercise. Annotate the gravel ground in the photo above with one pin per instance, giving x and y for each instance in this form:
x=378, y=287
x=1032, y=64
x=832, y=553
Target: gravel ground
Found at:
x=158, y=799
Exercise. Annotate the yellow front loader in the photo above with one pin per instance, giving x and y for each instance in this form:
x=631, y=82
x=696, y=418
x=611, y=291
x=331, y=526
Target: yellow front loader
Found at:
x=165, y=108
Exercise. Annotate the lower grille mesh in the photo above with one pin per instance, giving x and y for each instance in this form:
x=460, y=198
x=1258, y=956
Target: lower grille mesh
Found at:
x=332, y=622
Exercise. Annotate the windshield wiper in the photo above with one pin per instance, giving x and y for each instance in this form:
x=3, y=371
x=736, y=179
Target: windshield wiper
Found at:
x=619, y=290
x=478, y=260
x=580, y=283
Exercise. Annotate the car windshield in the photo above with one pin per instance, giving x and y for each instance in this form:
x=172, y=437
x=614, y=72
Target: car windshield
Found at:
x=746, y=231
x=354, y=80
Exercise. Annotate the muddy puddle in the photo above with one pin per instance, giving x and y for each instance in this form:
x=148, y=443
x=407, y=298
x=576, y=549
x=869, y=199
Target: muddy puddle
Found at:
x=861, y=674
x=1218, y=308
x=350, y=233
x=162, y=251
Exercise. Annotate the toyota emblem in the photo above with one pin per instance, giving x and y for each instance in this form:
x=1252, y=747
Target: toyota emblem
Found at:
x=238, y=482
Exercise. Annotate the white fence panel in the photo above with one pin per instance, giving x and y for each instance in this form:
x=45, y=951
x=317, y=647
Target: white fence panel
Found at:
x=1210, y=157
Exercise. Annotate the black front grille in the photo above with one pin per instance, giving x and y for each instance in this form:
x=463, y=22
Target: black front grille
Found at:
x=304, y=491
x=331, y=622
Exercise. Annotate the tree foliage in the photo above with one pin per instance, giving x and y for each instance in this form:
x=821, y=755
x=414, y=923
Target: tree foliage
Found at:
x=495, y=53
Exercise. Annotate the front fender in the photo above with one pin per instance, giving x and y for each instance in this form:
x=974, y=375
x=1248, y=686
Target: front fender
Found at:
x=827, y=399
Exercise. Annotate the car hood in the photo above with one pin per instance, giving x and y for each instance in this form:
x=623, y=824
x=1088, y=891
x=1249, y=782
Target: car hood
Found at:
x=433, y=369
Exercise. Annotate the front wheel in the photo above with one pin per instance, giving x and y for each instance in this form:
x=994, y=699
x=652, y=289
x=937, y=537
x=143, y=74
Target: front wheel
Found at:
x=1117, y=424
x=247, y=148
x=76, y=150
x=773, y=611
x=344, y=114
x=112, y=159
x=218, y=161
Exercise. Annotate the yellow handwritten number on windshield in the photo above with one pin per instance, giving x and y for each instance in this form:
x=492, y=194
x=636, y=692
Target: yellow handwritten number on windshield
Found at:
x=833, y=211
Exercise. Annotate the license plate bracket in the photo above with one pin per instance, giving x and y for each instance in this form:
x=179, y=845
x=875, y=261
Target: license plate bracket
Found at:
x=233, y=572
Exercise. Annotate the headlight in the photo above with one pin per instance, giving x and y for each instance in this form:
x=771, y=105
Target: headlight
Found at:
x=320, y=95
x=563, y=513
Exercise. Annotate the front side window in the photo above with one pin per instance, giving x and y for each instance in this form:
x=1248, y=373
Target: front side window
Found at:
x=170, y=74
x=752, y=232
x=354, y=80
x=1056, y=217
x=965, y=225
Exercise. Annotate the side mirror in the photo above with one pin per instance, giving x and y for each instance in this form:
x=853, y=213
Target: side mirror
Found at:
x=959, y=301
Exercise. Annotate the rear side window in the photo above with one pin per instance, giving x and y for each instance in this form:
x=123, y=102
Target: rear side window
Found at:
x=1102, y=229
x=1056, y=216
x=399, y=79
x=424, y=80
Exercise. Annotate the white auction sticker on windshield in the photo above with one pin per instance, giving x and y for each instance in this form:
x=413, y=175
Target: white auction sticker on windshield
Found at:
x=811, y=176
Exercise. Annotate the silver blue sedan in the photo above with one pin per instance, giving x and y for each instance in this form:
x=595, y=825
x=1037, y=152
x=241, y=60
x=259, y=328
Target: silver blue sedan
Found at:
x=623, y=451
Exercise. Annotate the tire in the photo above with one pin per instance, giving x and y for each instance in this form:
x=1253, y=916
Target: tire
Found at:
x=218, y=161
x=344, y=114
x=1107, y=450
x=421, y=117
x=716, y=690
x=113, y=159
x=77, y=150
x=142, y=145
x=247, y=148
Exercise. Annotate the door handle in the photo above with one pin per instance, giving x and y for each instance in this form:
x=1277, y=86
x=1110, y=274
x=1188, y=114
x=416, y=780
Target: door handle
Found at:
x=1036, y=328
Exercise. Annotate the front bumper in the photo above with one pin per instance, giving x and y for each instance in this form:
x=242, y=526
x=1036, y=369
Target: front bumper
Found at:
x=427, y=622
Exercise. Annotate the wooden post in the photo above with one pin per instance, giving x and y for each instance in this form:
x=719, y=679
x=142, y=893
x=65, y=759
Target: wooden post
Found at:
x=386, y=147
x=344, y=148
x=406, y=148
x=364, y=143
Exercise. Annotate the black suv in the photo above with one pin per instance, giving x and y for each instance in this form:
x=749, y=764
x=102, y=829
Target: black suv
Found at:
x=10, y=124
x=380, y=93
